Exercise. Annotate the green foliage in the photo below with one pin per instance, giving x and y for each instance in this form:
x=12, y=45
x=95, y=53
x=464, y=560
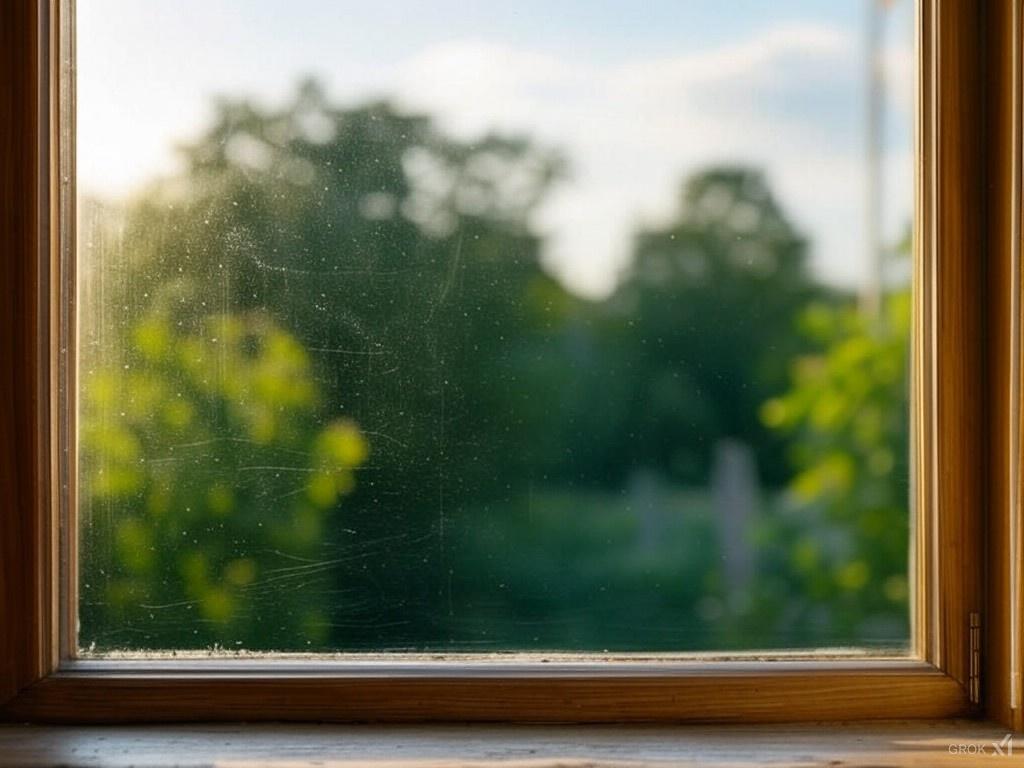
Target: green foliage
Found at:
x=835, y=565
x=400, y=258
x=316, y=279
x=593, y=586
x=705, y=314
x=182, y=441
x=402, y=263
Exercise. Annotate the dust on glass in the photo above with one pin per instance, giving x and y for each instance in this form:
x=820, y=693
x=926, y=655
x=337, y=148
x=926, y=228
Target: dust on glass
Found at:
x=510, y=328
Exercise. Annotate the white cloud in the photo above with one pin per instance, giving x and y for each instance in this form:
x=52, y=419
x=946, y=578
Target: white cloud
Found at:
x=633, y=130
x=746, y=60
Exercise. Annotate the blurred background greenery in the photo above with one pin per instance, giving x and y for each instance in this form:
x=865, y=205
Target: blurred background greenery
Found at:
x=332, y=400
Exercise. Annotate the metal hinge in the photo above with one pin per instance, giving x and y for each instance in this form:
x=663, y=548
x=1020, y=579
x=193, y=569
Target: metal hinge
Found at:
x=974, y=679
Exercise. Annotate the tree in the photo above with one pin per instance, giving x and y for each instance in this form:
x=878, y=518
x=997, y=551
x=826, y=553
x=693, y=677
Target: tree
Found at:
x=402, y=264
x=705, y=316
x=209, y=476
x=835, y=557
x=327, y=384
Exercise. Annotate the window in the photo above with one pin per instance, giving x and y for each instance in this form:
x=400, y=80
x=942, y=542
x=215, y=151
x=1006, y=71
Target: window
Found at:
x=505, y=332
x=455, y=356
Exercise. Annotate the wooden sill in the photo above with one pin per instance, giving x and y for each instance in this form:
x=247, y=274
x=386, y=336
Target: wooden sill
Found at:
x=895, y=743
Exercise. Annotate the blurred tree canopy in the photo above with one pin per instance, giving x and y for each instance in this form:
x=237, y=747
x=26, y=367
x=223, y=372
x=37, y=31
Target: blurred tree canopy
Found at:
x=836, y=562
x=190, y=510
x=706, y=313
x=402, y=264
x=332, y=399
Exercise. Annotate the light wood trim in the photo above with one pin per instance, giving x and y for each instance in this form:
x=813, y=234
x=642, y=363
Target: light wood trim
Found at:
x=949, y=359
x=1004, y=634
x=703, y=693
x=63, y=320
x=923, y=553
x=903, y=744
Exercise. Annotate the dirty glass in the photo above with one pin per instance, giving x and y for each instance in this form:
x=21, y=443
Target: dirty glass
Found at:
x=493, y=326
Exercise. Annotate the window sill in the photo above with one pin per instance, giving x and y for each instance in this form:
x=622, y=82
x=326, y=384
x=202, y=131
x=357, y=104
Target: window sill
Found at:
x=897, y=743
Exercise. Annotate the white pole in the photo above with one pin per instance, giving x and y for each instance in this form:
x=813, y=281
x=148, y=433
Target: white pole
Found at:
x=871, y=298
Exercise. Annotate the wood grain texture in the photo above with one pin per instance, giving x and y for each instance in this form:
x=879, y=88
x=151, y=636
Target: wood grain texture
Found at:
x=923, y=550
x=702, y=692
x=1004, y=351
x=951, y=264
x=894, y=744
x=25, y=596
x=950, y=423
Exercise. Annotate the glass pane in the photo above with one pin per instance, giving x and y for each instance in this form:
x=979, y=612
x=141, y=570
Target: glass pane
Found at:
x=494, y=326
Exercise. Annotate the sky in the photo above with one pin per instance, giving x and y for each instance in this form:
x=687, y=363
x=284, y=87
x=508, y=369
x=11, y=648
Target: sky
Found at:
x=635, y=95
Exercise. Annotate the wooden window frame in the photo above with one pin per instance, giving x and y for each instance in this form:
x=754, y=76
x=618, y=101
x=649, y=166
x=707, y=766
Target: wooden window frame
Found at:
x=966, y=427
